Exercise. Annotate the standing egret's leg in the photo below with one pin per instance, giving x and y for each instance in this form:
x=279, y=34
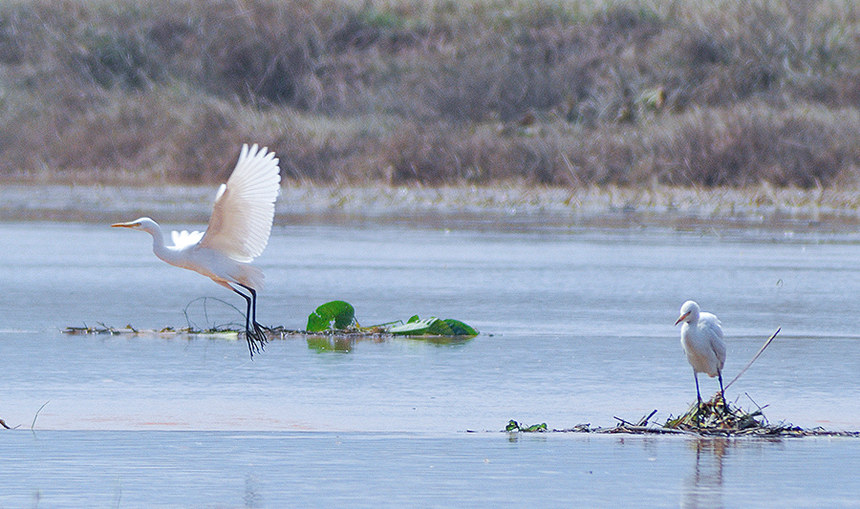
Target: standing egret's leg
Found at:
x=698, y=394
x=722, y=392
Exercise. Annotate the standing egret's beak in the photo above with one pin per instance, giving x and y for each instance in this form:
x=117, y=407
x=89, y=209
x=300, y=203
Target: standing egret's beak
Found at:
x=679, y=320
x=130, y=224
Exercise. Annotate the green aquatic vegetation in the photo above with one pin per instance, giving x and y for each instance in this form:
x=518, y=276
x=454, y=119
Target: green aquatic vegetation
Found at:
x=334, y=318
x=514, y=426
x=432, y=327
x=338, y=315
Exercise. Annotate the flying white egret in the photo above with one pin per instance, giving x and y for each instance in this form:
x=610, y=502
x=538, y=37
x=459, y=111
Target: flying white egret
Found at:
x=702, y=339
x=238, y=232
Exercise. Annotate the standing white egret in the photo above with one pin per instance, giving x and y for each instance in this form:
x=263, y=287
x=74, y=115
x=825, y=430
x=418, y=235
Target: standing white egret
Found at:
x=238, y=232
x=702, y=339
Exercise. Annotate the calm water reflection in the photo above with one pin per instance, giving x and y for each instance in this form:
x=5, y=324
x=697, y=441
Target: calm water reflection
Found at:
x=576, y=327
x=277, y=469
x=704, y=486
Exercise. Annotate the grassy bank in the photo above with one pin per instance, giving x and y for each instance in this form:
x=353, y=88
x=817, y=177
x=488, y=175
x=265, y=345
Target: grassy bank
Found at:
x=400, y=92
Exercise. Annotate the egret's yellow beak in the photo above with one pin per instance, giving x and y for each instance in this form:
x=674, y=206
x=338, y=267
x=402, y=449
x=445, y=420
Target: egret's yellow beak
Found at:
x=131, y=224
x=682, y=318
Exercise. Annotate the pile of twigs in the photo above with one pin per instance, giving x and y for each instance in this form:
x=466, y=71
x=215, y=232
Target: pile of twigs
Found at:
x=711, y=418
x=717, y=417
x=128, y=329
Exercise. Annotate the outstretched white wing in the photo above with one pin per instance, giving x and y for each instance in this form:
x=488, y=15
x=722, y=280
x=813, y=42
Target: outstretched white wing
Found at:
x=244, y=208
x=185, y=238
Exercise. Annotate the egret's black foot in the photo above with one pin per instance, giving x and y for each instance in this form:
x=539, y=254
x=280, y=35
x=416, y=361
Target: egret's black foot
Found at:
x=261, y=332
x=256, y=338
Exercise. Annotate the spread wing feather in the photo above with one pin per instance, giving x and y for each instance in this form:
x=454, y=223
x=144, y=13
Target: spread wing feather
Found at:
x=244, y=208
x=185, y=238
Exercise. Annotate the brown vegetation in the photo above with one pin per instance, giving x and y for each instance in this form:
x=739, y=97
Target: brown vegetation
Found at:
x=561, y=93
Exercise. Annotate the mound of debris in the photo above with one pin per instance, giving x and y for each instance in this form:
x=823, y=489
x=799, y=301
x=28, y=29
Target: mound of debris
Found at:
x=711, y=418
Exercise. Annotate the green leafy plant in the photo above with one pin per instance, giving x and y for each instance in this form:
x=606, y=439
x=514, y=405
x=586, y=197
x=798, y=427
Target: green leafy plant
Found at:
x=337, y=315
x=432, y=327
x=515, y=426
x=340, y=315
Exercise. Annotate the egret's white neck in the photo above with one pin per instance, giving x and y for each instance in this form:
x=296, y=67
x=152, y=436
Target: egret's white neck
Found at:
x=158, y=247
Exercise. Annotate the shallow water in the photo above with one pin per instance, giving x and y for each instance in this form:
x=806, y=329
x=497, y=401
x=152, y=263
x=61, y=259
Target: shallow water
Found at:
x=576, y=327
x=325, y=469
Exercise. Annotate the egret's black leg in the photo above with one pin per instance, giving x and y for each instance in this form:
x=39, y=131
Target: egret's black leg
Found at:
x=722, y=392
x=259, y=333
x=250, y=337
x=257, y=327
x=698, y=394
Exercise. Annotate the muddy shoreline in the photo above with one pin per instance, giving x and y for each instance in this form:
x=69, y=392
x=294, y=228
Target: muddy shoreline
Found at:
x=519, y=207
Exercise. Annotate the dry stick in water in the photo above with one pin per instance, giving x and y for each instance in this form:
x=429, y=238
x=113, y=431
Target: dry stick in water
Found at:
x=33, y=425
x=756, y=356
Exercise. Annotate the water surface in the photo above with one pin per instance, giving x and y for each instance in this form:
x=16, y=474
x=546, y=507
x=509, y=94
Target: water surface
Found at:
x=324, y=469
x=576, y=327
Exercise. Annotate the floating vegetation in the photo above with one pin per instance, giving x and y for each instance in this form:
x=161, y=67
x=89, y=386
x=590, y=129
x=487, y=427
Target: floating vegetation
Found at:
x=717, y=416
x=332, y=319
x=712, y=418
x=525, y=428
x=336, y=314
x=101, y=328
x=335, y=319
x=432, y=327
x=339, y=316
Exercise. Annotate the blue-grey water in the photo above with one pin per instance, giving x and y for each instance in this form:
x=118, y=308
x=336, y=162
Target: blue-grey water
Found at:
x=576, y=327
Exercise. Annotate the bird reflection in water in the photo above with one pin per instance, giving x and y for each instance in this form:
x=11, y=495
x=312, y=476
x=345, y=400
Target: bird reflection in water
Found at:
x=704, y=487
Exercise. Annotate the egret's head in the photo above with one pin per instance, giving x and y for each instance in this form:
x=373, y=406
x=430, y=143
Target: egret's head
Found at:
x=144, y=223
x=689, y=312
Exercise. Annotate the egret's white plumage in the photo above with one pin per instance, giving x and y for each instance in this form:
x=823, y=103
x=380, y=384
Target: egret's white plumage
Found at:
x=238, y=232
x=185, y=238
x=702, y=339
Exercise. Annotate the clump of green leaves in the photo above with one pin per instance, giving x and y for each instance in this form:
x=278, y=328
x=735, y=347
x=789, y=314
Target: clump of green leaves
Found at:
x=338, y=315
x=334, y=315
x=432, y=326
x=534, y=428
